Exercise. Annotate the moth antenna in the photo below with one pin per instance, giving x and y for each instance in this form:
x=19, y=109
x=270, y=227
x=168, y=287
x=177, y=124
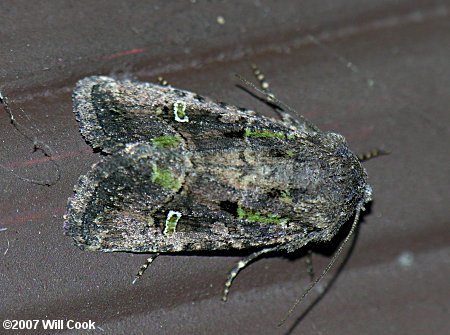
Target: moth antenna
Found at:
x=329, y=266
x=37, y=145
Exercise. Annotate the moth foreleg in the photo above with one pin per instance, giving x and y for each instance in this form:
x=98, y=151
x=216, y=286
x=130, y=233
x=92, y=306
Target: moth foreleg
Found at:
x=278, y=106
x=309, y=265
x=365, y=156
x=162, y=81
x=242, y=264
x=263, y=84
x=144, y=267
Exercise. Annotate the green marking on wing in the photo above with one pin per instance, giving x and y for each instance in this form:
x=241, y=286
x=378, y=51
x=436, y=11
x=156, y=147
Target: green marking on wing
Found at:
x=166, y=141
x=264, y=134
x=285, y=197
x=165, y=178
x=171, y=222
x=179, y=110
x=259, y=217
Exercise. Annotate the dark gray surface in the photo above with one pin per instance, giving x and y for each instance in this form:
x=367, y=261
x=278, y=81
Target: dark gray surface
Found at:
x=396, y=280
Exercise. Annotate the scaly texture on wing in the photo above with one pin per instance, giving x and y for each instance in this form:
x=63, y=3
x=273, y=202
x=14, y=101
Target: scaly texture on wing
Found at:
x=187, y=174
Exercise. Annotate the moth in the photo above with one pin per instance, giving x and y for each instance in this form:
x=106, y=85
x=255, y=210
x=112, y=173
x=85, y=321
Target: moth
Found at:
x=183, y=173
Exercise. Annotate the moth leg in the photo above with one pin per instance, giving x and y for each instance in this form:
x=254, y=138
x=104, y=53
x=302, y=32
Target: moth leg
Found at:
x=279, y=107
x=162, y=81
x=309, y=265
x=263, y=84
x=242, y=264
x=270, y=97
x=365, y=156
x=144, y=267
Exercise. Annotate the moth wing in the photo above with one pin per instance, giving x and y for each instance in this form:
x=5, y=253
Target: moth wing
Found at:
x=115, y=201
x=145, y=199
x=113, y=113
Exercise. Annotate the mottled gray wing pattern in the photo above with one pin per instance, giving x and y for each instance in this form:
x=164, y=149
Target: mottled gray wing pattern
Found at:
x=190, y=174
x=113, y=113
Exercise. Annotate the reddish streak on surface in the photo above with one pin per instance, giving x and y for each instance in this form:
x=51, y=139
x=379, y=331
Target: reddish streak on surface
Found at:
x=361, y=133
x=126, y=53
x=309, y=114
x=36, y=161
x=30, y=216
